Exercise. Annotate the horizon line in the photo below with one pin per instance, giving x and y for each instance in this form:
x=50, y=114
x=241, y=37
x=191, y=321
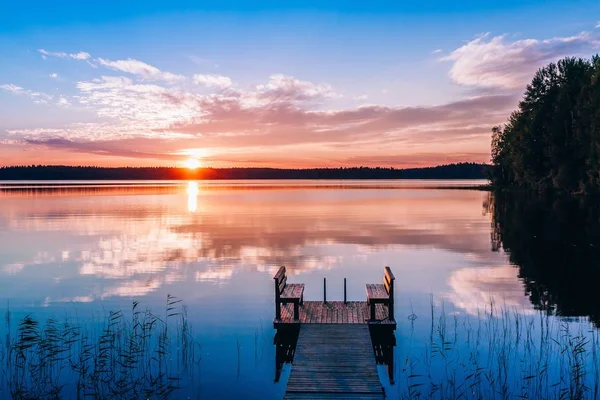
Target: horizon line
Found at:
x=220, y=168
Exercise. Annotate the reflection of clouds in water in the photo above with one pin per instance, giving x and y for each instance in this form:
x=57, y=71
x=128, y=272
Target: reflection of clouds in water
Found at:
x=143, y=250
x=217, y=275
x=133, y=288
x=474, y=289
x=13, y=269
x=42, y=257
x=137, y=244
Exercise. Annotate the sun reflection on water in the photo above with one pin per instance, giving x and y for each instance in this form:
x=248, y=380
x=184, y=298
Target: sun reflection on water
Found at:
x=192, y=192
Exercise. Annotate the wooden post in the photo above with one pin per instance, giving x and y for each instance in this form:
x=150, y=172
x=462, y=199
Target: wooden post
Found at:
x=345, y=291
x=392, y=278
x=324, y=290
x=277, y=302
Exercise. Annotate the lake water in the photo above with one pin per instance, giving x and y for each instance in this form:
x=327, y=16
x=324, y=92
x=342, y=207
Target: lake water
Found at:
x=80, y=251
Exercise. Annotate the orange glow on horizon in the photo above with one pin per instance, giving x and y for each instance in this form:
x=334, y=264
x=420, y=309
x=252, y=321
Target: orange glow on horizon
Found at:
x=192, y=163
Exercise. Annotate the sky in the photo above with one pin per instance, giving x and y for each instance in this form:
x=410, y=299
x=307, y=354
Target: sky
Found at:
x=269, y=83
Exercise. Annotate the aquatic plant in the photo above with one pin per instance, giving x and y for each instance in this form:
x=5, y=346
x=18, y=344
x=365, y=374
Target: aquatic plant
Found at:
x=144, y=355
x=500, y=354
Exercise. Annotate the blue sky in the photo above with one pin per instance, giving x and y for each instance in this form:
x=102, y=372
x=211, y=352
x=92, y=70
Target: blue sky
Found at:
x=351, y=76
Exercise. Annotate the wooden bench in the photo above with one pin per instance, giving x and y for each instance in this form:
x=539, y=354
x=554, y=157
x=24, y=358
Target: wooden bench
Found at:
x=382, y=293
x=287, y=293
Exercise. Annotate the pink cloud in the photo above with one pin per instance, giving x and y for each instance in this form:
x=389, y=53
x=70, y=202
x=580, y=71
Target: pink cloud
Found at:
x=497, y=62
x=140, y=69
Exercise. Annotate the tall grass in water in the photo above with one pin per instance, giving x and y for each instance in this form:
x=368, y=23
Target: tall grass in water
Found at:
x=144, y=355
x=500, y=354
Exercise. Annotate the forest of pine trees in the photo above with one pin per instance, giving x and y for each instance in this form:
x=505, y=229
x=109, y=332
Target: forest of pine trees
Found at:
x=552, y=141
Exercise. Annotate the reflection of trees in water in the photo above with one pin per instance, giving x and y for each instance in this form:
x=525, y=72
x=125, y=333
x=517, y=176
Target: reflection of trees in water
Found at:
x=555, y=242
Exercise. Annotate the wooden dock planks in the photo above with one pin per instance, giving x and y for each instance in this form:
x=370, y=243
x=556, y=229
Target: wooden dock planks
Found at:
x=334, y=361
x=333, y=312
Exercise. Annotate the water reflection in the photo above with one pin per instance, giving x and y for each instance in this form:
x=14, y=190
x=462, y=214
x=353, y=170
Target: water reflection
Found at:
x=132, y=244
x=555, y=243
x=476, y=288
x=192, y=191
x=98, y=247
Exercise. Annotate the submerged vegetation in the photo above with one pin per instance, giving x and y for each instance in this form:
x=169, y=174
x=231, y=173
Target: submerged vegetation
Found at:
x=500, y=354
x=145, y=356
x=552, y=141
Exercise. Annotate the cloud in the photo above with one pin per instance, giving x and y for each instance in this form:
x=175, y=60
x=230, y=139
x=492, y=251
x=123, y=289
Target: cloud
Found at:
x=233, y=132
x=436, y=51
x=37, y=97
x=99, y=148
x=82, y=55
x=283, y=121
x=284, y=88
x=496, y=63
x=12, y=88
x=212, y=80
x=140, y=69
x=597, y=25
x=53, y=75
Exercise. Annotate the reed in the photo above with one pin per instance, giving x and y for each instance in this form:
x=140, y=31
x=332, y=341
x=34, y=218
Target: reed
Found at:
x=499, y=354
x=143, y=355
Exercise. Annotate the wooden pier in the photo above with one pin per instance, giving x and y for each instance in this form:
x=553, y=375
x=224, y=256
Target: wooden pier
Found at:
x=334, y=361
x=334, y=346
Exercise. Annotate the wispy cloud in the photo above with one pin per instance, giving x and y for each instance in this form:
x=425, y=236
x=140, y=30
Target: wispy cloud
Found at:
x=495, y=62
x=140, y=69
x=62, y=101
x=212, y=80
x=82, y=55
x=37, y=97
x=287, y=88
x=53, y=75
x=436, y=51
x=12, y=88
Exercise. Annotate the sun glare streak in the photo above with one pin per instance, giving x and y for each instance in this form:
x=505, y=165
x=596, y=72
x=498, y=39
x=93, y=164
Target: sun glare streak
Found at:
x=192, y=192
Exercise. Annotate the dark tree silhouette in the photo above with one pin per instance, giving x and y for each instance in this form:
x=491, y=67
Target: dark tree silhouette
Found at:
x=57, y=172
x=551, y=142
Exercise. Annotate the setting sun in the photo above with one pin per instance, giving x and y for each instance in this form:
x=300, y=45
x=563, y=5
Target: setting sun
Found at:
x=192, y=163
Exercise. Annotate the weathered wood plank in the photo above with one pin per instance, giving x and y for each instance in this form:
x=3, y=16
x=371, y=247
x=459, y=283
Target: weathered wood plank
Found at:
x=389, y=274
x=280, y=273
x=377, y=292
x=317, y=312
x=334, y=361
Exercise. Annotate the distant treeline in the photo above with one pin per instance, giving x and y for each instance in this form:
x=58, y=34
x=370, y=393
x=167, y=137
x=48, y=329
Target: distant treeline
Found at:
x=59, y=172
x=552, y=141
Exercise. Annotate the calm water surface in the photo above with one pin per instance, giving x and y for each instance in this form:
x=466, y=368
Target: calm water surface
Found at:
x=82, y=251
